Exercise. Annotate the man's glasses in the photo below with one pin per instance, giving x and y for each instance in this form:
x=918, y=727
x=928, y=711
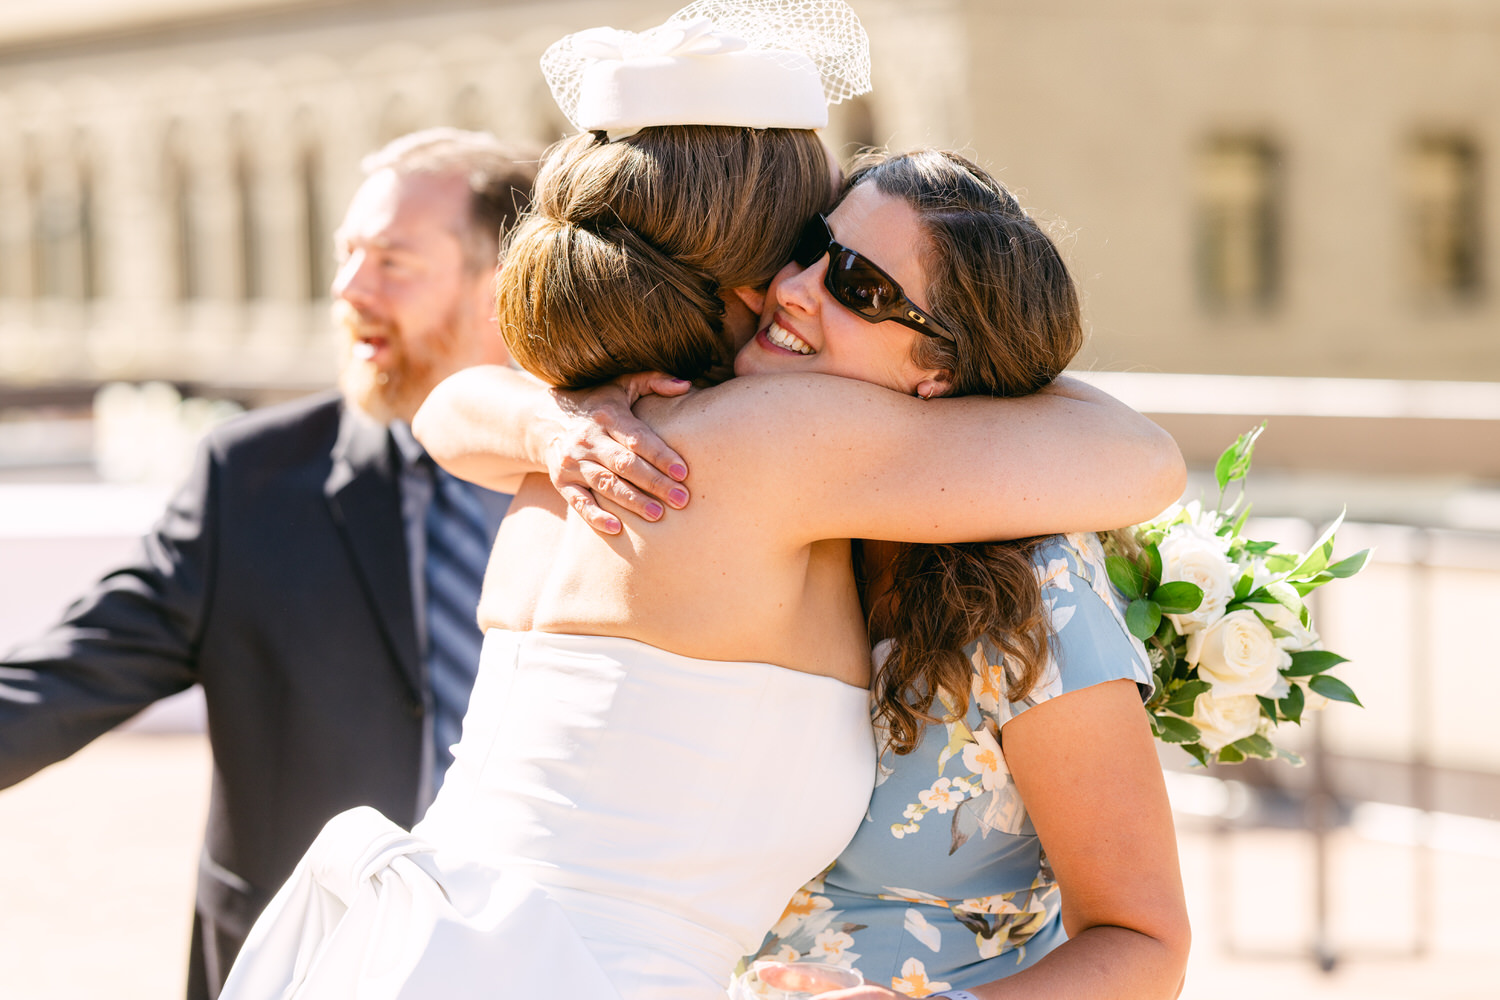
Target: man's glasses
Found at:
x=858, y=285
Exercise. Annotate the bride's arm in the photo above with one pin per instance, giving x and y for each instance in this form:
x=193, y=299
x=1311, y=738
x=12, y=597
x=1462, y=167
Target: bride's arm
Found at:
x=846, y=459
x=493, y=425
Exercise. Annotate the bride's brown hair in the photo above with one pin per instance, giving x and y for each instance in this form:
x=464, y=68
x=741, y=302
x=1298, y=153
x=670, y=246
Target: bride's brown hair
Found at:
x=620, y=264
x=998, y=282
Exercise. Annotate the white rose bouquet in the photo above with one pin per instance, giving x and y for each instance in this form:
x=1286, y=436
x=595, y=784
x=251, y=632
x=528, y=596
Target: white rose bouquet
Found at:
x=1223, y=618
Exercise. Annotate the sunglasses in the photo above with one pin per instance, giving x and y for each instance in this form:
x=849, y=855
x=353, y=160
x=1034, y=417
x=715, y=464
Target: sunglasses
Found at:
x=858, y=285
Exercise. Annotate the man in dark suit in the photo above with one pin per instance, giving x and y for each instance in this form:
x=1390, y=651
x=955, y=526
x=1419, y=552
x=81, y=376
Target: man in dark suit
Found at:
x=293, y=575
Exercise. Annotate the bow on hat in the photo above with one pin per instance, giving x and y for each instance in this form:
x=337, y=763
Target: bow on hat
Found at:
x=698, y=37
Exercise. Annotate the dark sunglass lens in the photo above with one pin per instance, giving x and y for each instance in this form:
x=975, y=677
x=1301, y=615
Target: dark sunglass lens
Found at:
x=859, y=285
x=813, y=242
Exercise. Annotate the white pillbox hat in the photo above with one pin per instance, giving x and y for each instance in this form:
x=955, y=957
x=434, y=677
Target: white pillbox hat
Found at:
x=751, y=63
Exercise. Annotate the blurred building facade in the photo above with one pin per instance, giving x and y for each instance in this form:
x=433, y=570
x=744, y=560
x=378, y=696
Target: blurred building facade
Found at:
x=1273, y=187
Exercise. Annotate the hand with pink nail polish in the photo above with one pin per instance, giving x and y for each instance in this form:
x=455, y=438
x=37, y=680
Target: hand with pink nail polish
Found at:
x=604, y=452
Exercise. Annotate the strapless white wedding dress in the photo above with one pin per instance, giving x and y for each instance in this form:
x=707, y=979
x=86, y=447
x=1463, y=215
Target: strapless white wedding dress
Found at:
x=619, y=823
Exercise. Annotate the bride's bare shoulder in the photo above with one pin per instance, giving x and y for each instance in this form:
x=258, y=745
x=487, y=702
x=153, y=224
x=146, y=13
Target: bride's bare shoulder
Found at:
x=776, y=400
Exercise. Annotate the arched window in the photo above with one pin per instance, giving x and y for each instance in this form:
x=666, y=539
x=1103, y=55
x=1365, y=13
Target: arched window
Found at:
x=1239, y=250
x=247, y=220
x=396, y=118
x=59, y=191
x=316, y=229
x=470, y=110
x=1444, y=218
x=178, y=210
x=88, y=232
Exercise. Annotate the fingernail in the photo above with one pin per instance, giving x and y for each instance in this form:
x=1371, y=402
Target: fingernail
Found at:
x=611, y=525
x=679, y=472
x=681, y=381
x=677, y=497
x=655, y=510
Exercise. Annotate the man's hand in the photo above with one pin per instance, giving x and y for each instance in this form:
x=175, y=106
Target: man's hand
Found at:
x=605, y=451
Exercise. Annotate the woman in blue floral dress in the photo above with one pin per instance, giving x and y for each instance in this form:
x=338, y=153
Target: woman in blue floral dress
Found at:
x=1019, y=841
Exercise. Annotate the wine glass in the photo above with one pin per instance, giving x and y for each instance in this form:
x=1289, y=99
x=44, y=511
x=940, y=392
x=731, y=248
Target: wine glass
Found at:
x=770, y=980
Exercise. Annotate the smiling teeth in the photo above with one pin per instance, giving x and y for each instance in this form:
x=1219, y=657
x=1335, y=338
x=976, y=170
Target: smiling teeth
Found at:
x=782, y=337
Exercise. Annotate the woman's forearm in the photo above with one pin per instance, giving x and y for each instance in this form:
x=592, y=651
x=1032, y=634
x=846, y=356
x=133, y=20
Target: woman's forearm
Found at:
x=488, y=424
x=1101, y=963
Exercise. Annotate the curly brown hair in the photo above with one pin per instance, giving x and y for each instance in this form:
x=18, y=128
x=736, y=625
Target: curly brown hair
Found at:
x=999, y=283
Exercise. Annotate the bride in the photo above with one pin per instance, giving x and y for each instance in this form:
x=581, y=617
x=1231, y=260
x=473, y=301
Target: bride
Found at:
x=670, y=730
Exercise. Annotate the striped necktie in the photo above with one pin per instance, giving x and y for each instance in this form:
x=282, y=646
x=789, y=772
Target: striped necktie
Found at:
x=458, y=548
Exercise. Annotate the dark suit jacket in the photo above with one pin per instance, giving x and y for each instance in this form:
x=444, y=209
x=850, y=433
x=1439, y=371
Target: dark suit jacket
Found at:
x=277, y=579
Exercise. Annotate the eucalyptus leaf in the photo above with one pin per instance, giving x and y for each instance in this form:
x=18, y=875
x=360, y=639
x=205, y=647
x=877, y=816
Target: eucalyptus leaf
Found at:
x=1178, y=597
x=1166, y=634
x=1142, y=617
x=1153, y=566
x=1125, y=575
x=1333, y=689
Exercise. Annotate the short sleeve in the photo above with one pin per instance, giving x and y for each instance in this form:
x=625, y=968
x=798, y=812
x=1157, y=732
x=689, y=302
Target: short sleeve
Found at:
x=1089, y=641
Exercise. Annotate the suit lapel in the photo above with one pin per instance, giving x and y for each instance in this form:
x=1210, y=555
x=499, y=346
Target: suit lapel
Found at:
x=364, y=495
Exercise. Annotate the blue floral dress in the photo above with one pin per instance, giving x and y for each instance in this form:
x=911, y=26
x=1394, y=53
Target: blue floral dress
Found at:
x=946, y=885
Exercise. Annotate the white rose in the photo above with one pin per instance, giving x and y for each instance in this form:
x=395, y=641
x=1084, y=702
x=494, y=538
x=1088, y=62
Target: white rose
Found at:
x=1298, y=637
x=1221, y=721
x=1195, y=555
x=1238, y=655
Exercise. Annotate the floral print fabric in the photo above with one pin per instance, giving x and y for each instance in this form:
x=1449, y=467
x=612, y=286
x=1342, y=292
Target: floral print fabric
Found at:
x=946, y=885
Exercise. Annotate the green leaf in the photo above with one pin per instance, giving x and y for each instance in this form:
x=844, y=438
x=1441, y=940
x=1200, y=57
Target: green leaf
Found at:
x=1267, y=706
x=1142, y=617
x=1333, y=689
x=1152, y=567
x=1280, y=562
x=1348, y=567
x=1166, y=634
x=1294, y=759
x=1182, y=699
x=1291, y=706
x=1313, y=661
x=1305, y=587
x=1254, y=746
x=1284, y=594
x=1178, y=597
x=1312, y=563
x=1126, y=577
x=1198, y=752
x=1230, y=755
x=1234, y=463
x=1320, y=549
x=1242, y=586
x=1174, y=730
